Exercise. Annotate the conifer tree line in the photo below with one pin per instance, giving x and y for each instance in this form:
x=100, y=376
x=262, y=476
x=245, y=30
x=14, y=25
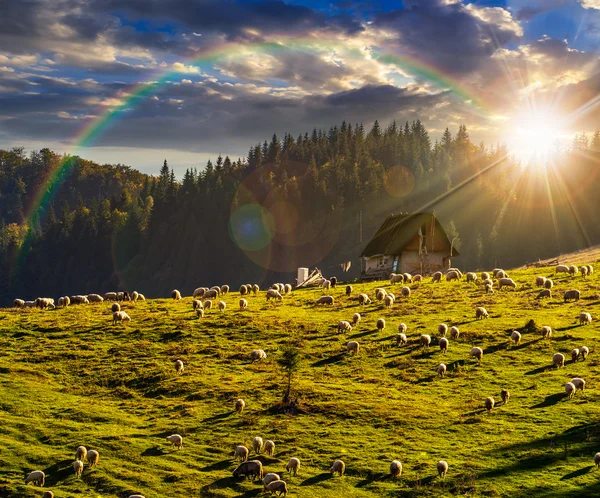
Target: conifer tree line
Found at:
x=109, y=227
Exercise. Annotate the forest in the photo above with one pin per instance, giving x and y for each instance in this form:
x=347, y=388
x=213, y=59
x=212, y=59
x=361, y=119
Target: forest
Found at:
x=70, y=226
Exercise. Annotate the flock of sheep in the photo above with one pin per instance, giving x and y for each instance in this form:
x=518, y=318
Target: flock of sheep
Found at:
x=203, y=301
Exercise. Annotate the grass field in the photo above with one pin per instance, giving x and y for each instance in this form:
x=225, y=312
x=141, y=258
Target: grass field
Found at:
x=68, y=377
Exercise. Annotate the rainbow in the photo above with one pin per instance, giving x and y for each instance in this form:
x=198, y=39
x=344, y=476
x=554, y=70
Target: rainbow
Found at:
x=107, y=116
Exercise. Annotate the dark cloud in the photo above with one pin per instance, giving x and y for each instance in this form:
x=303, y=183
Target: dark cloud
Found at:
x=528, y=12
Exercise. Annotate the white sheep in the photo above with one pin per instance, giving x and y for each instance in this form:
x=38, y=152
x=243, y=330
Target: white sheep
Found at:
x=380, y=294
x=211, y=294
x=179, y=366
x=442, y=468
x=257, y=444
x=452, y=275
x=175, y=440
x=405, y=291
x=501, y=274
x=326, y=285
x=120, y=316
x=561, y=269
x=401, y=339
x=442, y=329
x=505, y=395
x=597, y=460
x=573, y=270
x=93, y=457
x=115, y=307
x=584, y=351
x=222, y=305
x=207, y=305
x=380, y=324
x=515, y=337
x=338, y=467
x=471, y=277
x=240, y=404
x=200, y=312
x=196, y=303
x=141, y=297
x=476, y=353
x=396, y=278
x=540, y=281
x=175, y=294
x=81, y=453
x=348, y=290
x=327, y=300
x=364, y=299
x=243, y=304
x=407, y=278
x=402, y=328
x=353, y=347
x=558, y=360
x=137, y=496
x=425, y=340
x=441, y=369
x=396, y=468
x=388, y=301
x=48, y=494
x=549, y=283
x=277, y=487
x=19, y=303
x=585, y=319
x=269, y=478
x=241, y=453
x=356, y=318
x=293, y=466
x=417, y=278
x=78, y=468
x=37, y=478
x=110, y=296
x=224, y=289
x=579, y=383
x=481, y=313
x=544, y=293
x=485, y=275
x=506, y=282
x=574, y=355
x=269, y=447
x=546, y=332
x=95, y=298
x=454, y=332
x=570, y=389
x=344, y=326
x=489, y=403
x=243, y=290
x=437, y=276
x=287, y=289
x=274, y=294
x=135, y=296
x=443, y=344
x=257, y=355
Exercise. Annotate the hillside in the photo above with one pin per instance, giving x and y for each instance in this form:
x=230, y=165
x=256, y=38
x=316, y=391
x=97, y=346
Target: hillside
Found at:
x=69, y=377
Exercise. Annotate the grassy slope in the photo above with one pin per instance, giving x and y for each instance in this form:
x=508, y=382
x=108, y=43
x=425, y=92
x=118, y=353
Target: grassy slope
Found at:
x=68, y=377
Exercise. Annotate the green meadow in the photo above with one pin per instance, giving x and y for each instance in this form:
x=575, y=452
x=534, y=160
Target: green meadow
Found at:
x=68, y=377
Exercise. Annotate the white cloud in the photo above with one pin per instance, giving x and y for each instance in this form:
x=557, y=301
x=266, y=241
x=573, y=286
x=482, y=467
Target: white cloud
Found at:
x=497, y=16
x=590, y=4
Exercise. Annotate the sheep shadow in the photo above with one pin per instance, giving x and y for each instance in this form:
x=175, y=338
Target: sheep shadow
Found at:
x=551, y=400
x=329, y=361
x=383, y=339
x=371, y=479
x=153, y=451
x=324, y=476
x=538, y=370
x=222, y=465
x=59, y=472
x=495, y=348
x=523, y=345
x=362, y=334
x=577, y=473
x=568, y=328
x=220, y=416
x=421, y=482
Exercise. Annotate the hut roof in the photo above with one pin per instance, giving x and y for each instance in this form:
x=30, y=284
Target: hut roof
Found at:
x=396, y=232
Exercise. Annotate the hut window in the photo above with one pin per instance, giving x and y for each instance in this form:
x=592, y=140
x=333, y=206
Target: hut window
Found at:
x=380, y=261
x=395, y=265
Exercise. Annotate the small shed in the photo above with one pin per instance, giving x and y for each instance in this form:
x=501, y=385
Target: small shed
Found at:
x=407, y=243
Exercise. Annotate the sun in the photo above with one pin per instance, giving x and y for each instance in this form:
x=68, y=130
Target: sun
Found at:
x=535, y=136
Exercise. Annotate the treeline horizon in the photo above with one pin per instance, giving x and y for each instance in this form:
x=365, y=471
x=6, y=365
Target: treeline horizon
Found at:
x=313, y=200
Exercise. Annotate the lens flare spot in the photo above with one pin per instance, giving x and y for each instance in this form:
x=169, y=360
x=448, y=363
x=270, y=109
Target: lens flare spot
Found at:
x=399, y=181
x=286, y=217
x=251, y=227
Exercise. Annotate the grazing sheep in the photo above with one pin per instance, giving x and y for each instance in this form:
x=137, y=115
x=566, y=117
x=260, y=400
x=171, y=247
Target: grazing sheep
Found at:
x=269, y=478
x=243, y=305
x=344, y=326
x=217, y=289
x=437, y=276
x=544, y=293
x=257, y=355
x=558, y=360
x=546, y=332
x=240, y=404
x=200, y=312
x=110, y=296
x=505, y=395
x=417, y=278
x=78, y=468
x=489, y=282
x=471, y=277
x=293, y=466
x=257, y=444
x=489, y=289
x=380, y=294
x=584, y=271
x=353, y=347
x=454, y=332
x=211, y=294
x=402, y=328
x=277, y=487
x=401, y=339
x=355, y=318
x=37, y=478
x=29, y=304
x=287, y=289
x=135, y=296
x=489, y=403
x=348, y=290
x=597, y=460
x=48, y=494
x=179, y=366
x=224, y=289
x=540, y=281
x=485, y=275
x=269, y=447
x=176, y=294
x=274, y=294
x=481, y=313
x=80, y=453
x=364, y=299
x=441, y=369
x=442, y=329
x=396, y=278
x=326, y=285
x=590, y=269
x=243, y=290
x=255, y=289
x=561, y=269
x=241, y=453
x=137, y=496
x=515, y=337
x=141, y=297
x=572, y=294
x=120, y=316
x=460, y=275
x=327, y=300
x=407, y=278
x=175, y=440
x=570, y=389
x=251, y=468
x=395, y=468
x=442, y=468
x=380, y=324
x=199, y=292
x=506, y=282
x=573, y=270
x=95, y=298
x=115, y=307
x=60, y=302
x=66, y=301
x=207, y=305
x=549, y=283
x=476, y=353
x=338, y=467
x=406, y=291
x=425, y=340
x=93, y=457
x=584, y=351
x=585, y=319
x=574, y=355
x=333, y=281
x=500, y=275
x=452, y=275
x=443, y=343
x=578, y=383
x=196, y=303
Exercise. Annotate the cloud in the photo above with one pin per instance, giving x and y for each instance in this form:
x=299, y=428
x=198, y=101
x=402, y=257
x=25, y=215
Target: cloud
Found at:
x=590, y=4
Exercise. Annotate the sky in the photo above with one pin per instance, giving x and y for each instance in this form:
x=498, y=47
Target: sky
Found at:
x=140, y=81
